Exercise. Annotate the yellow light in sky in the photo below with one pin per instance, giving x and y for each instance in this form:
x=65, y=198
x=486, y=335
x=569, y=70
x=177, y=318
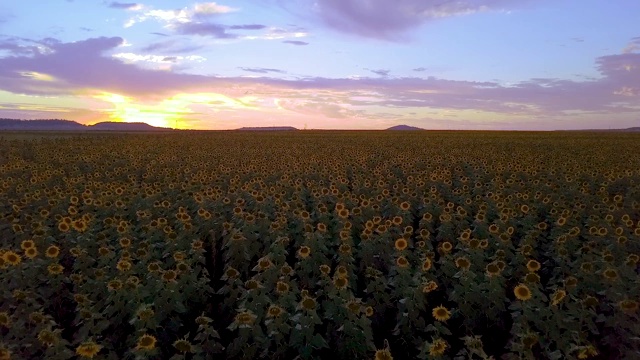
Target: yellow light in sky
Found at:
x=170, y=111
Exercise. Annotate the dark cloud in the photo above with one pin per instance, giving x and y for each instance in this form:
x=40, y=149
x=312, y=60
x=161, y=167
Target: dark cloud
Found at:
x=390, y=20
x=262, y=70
x=296, y=42
x=381, y=72
x=248, y=27
x=125, y=6
x=420, y=69
x=204, y=29
x=173, y=46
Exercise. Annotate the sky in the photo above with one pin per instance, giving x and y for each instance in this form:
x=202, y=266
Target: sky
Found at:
x=324, y=64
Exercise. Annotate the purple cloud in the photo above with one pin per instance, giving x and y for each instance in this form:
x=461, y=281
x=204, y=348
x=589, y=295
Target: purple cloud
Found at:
x=296, y=42
x=86, y=65
x=173, y=46
x=248, y=27
x=125, y=6
x=389, y=20
x=204, y=29
x=381, y=72
x=262, y=70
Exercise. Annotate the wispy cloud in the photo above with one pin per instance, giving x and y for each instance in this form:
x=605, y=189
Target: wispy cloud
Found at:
x=172, y=46
x=262, y=70
x=124, y=6
x=296, y=42
x=390, y=20
x=381, y=72
x=171, y=18
x=633, y=46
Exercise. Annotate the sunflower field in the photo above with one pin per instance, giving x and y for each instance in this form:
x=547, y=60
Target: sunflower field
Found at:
x=320, y=244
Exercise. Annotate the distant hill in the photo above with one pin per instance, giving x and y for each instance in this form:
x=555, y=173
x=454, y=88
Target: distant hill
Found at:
x=122, y=126
x=404, y=127
x=631, y=129
x=66, y=125
x=268, y=128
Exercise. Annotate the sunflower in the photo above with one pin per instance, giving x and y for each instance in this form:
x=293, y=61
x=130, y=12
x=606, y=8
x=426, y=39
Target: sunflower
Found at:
x=52, y=251
x=628, y=306
x=145, y=313
x=558, y=296
x=304, y=252
x=532, y=278
x=426, y=264
x=322, y=227
x=570, y=281
x=446, y=247
x=31, y=252
x=114, y=285
x=245, y=318
x=124, y=242
x=438, y=347
x=80, y=225
x=308, y=303
x=27, y=244
x=264, y=264
x=5, y=319
x=492, y=269
x=397, y=220
x=610, y=274
x=11, y=258
x=183, y=346
x=533, y=265
x=463, y=263
x=63, y=227
x=522, y=292
x=340, y=282
x=146, y=342
x=429, y=287
x=325, y=269
x=441, y=313
x=402, y=262
x=405, y=205
x=153, y=267
x=274, y=311
x=368, y=311
x=47, y=337
x=123, y=265
x=383, y=354
x=88, y=349
x=345, y=249
x=55, y=269
x=282, y=287
x=286, y=270
x=251, y=284
x=343, y=213
x=169, y=276
x=341, y=271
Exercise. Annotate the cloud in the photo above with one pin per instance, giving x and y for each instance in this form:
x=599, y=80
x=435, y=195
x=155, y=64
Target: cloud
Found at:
x=390, y=20
x=54, y=68
x=420, y=69
x=633, y=46
x=171, y=18
x=173, y=46
x=159, y=34
x=381, y=72
x=133, y=58
x=262, y=70
x=296, y=42
x=125, y=6
x=204, y=29
x=248, y=27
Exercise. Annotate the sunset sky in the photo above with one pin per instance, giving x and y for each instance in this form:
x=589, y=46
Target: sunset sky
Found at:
x=324, y=64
